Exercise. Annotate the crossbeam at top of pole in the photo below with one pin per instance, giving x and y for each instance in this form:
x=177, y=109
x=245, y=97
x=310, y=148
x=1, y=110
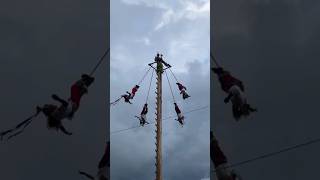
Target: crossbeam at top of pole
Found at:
x=162, y=61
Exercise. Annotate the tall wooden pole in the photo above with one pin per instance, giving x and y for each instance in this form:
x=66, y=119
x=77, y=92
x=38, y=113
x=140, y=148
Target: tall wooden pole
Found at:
x=159, y=122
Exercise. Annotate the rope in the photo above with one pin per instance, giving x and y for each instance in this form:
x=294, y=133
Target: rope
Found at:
x=169, y=117
x=99, y=62
x=150, y=85
x=214, y=60
x=23, y=124
x=144, y=77
x=115, y=102
x=274, y=153
x=173, y=75
x=174, y=100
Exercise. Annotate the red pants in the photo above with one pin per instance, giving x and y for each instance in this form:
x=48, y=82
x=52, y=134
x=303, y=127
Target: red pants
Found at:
x=75, y=95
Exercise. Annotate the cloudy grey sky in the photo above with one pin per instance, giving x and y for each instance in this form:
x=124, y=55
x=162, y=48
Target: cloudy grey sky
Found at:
x=44, y=47
x=272, y=45
x=181, y=31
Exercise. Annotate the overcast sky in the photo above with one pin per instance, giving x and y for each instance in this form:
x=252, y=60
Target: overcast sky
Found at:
x=181, y=31
x=272, y=46
x=45, y=46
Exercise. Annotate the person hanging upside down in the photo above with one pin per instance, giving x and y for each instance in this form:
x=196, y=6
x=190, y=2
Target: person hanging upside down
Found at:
x=183, y=89
x=240, y=107
x=133, y=91
x=227, y=80
x=56, y=114
x=235, y=90
x=78, y=89
x=126, y=97
x=179, y=114
x=143, y=115
x=220, y=161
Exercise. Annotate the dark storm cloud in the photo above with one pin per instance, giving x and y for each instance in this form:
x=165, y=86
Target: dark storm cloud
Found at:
x=273, y=47
x=44, y=47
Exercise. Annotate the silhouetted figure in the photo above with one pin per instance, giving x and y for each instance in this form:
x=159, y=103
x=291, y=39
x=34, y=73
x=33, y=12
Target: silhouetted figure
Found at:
x=220, y=161
x=179, y=114
x=235, y=90
x=158, y=58
x=56, y=114
x=143, y=115
x=78, y=89
x=227, y=80
x=183, y=90
x=160, y=62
